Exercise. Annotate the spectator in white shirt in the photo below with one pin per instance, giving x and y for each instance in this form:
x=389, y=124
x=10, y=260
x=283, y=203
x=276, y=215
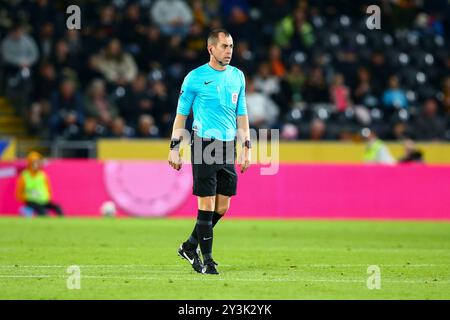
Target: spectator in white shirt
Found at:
x=262, y=111
x=265, y=81
x=174, y=17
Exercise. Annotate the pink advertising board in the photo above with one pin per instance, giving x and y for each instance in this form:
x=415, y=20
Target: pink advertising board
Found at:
x=153, y=189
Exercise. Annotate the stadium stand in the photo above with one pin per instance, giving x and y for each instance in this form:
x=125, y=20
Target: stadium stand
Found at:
x=314, y=69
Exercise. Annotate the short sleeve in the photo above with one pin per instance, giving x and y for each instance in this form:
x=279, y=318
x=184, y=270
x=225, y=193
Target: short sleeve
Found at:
x=187, y=96
x=242, y=103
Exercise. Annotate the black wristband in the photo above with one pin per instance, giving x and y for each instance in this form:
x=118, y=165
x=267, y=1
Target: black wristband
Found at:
x=175, y=144
x=247, y=144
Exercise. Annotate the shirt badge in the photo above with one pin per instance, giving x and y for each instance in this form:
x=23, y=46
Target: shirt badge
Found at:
x=234, y=97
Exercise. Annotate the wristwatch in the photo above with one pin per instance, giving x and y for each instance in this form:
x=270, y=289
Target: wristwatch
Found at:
x=247, y=144
x=174, y=143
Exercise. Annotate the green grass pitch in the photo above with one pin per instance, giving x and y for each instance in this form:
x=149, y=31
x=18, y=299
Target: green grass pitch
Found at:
x=258, y=259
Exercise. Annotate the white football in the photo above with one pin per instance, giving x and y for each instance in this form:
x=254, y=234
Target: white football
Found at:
x=108, y=209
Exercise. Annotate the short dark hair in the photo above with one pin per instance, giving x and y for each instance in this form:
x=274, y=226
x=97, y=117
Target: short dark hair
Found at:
x=213, y=36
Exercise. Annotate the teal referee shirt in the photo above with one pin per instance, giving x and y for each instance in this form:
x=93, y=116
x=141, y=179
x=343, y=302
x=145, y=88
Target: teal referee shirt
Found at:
x=216, y=97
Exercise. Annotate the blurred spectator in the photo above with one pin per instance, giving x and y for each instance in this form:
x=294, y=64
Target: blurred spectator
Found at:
x=173, y=17
x=262, y=111
x=379, y=70
x=199, y=13
x=347, y=63
x=151, y=46
x=194, y=45
x=42, y=12
x=74, y=42
x=276, y=88
x=277, y=10
x=428, y=125
x=428, y=25
x=289, y=132
x=265, y=81
x=37, y=119
x=46, y=40
x=399, y=131
x=90, y=70
x=446, y=95
x=376, y=151
x=365, y=92
x=106, y=26
x=244, y=58
x=346, y=135
x=174, y=57
x=119, y=129
x=294, y=31
x=137, y=101
x=46, y=82
x=317, y=130
x=340, y=94
x=237, y=21
x=19, y=53
x=92, y=130
x=117, y=67
x=98, y=105
x=67, y=109
x=296, y=79
x=164, y=108
x=315, y=88
x=132, y=27
x=62, y=58
x=394, y=97
x=230, y=7
x=33, y=187
x=147, y=128
x=412, y=154
x=276, y=63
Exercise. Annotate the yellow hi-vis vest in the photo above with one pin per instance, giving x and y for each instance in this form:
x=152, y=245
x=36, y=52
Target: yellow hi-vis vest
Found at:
x=36, y=187
x=371, y=153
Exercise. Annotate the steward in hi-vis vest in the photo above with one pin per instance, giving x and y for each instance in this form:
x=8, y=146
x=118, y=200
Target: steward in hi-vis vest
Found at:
x=33, y=187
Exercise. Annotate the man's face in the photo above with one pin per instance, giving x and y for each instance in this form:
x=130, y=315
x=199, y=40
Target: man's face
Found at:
x=67, y=89
x=430, y=108
x=223, y=50
x=17, y=34
x=118, y=126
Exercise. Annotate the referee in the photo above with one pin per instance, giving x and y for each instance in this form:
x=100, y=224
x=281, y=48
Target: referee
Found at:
x=216, y=93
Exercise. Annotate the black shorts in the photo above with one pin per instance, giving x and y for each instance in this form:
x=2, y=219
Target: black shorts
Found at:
x=213, y=166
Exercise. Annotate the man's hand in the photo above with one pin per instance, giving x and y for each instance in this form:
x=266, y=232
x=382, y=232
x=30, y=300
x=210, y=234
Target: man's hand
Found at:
x=175, y=159
x=244, y=159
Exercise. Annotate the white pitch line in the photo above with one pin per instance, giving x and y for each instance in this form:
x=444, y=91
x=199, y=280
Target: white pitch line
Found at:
x=100, y=266
x=380, y=265
x=318, y=265
x=28, y=276
x=229, y=279
x=390, y=250
x=154, y=278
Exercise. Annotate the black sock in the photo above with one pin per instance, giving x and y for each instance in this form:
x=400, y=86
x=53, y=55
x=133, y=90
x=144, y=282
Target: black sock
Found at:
x=192, y=242
x=205, y=233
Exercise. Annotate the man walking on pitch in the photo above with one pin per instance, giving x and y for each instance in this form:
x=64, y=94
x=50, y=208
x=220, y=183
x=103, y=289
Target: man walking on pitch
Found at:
x=216, y=93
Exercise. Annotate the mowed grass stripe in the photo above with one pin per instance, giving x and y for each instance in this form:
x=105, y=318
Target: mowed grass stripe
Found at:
x=136, y=259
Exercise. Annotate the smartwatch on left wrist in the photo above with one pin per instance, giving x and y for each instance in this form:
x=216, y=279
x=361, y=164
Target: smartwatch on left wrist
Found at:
x=175, y=144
